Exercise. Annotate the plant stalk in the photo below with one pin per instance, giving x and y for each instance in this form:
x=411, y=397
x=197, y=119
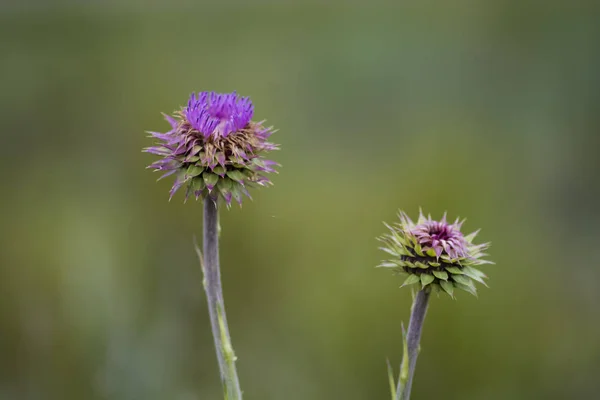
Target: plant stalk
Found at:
x=413, y=337
x=216, y=305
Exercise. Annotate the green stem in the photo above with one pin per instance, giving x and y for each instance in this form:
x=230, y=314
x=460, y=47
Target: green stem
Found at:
x=216, y=305
x=411, y=347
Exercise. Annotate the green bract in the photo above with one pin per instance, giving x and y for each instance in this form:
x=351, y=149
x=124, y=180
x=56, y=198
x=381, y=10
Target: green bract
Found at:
x=434, y=254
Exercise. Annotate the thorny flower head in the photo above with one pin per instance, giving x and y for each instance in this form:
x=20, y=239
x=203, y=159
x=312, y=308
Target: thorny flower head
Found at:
x=214, y=148
x=434, y=254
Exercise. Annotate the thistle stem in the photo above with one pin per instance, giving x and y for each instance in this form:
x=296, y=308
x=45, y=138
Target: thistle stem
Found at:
x=413, y=337
x=216, y=305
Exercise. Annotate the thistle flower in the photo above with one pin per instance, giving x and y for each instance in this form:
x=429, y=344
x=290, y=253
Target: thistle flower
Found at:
x=434, y=254
x=214, y=148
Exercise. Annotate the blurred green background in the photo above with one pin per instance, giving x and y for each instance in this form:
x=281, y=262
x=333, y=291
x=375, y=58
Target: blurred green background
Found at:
x=488, y=110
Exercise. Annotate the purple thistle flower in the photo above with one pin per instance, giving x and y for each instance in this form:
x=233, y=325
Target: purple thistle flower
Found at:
x=434, y=253
x=441, y=236
x=214, y=148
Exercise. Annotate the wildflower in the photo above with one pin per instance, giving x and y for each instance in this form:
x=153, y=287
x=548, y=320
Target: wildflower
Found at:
x=214, y=148
x=434, y=254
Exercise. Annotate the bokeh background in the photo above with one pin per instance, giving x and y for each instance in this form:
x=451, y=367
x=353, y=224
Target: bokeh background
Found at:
x=488, y=110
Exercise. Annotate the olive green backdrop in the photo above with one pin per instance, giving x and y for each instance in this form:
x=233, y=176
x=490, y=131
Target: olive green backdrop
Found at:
x=488, y=110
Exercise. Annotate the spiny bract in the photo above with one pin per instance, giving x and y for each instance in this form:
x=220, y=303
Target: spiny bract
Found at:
x=214, y=148
x=434, y=254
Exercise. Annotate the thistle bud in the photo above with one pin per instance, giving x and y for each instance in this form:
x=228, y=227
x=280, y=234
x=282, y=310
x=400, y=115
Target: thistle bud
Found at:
x=434, y=254
x=214, y=148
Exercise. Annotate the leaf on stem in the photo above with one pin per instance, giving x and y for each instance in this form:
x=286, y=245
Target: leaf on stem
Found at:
x=391, y=379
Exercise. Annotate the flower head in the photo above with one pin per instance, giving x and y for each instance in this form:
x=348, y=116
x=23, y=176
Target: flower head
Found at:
x=214, y=148
x=434, y=254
